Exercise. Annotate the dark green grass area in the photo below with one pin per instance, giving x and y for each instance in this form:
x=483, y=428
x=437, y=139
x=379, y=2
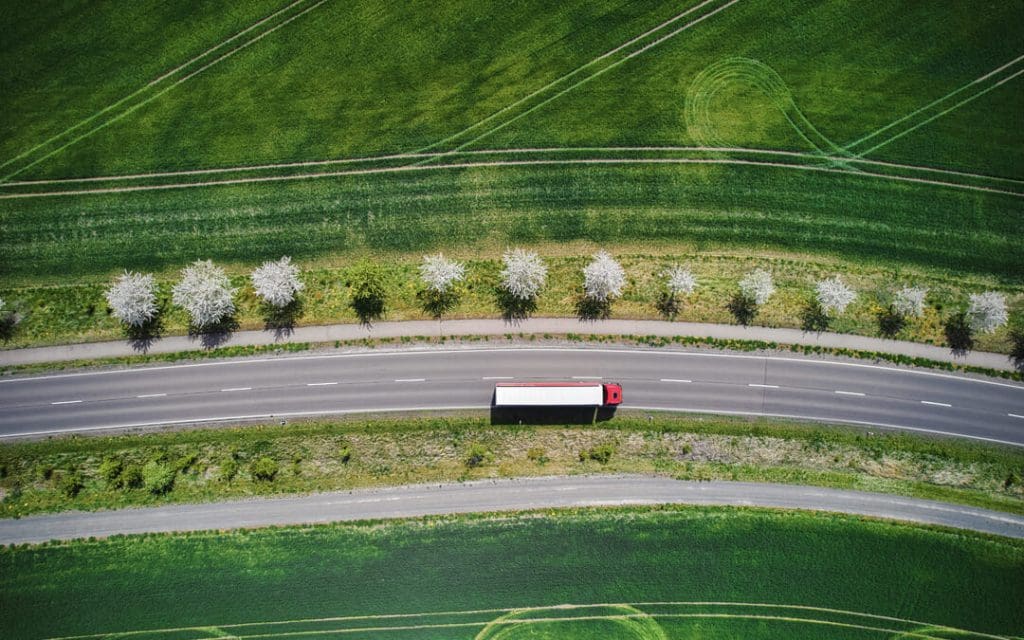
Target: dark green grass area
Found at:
x=358, y=78
x=752, y=209
x=571, y=557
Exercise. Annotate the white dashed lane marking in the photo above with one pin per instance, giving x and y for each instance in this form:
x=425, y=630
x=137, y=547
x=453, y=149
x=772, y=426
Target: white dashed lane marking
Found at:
x=152, y=395
x=849, y=393
x=236, y=389
x=320, y=384
x=675, y=380
x=764, y=386
x=936, y=404
x=67, y=402
x=411, y=380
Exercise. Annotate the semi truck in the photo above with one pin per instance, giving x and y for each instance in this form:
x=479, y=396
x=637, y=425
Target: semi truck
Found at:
x=557, y=394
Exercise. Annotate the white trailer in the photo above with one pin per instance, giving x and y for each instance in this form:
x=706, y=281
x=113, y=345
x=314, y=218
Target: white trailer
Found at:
x=556, y=394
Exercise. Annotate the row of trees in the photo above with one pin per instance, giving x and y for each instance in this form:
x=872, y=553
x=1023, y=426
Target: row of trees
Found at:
x=205, y=292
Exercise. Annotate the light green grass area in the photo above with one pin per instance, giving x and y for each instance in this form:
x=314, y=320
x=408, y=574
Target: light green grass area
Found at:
x=333, y=80
x=332, y=455
x=630, y=574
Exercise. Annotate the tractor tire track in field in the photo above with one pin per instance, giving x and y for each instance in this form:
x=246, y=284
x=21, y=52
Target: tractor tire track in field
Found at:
x=508, y=121
x=118, y=114
x=518, y=163
x=514, y=151
x=850, y=147
x=505, y=617
x=564, y=77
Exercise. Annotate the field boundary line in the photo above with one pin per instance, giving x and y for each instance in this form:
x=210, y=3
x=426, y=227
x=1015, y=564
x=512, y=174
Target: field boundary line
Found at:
x=513, y=151
x=161, y=92
x=151, y=83
x=931, y=104
x=942, y=113
x=596, y=605
x=566, y=76
x=513, y=163
x=594, y=75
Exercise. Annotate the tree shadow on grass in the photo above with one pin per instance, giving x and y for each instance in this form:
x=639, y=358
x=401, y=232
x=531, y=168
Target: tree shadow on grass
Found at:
x=281, y=320
x=591, y=310
x=215, y=335
x=742, y=308
x=668, y=305
x=9, y=322
x=141, y=338
x=437, y=303
x=959, y=335
x=813, y=318
x=514, y=309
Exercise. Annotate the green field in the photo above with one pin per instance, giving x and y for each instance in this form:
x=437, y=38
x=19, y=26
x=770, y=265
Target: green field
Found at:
x=680, y=573
x=673, y=138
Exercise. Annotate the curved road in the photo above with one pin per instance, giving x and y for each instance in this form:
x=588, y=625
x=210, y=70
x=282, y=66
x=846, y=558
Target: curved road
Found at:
x=498, y=495
x=438, y=378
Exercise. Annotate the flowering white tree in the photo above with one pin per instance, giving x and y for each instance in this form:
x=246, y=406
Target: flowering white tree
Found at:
x=205, y=292
x=679, y=280
x=834, y=295
x=439, y=274
x=603, y=278
x=987, y=311
x=133, y=299
x=524, y=274
x=277, y=282
x=757, y=286
x=909, y=301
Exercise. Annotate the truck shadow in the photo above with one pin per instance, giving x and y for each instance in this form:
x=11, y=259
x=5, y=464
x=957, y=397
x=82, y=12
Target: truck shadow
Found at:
x=550, y=415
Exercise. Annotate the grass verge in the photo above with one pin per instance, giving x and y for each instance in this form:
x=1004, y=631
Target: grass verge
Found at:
x=773, y=574
x=508, y=338
x=202, y=465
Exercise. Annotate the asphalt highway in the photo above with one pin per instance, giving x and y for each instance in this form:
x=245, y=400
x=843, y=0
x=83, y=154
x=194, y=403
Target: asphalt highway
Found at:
x=312, y=384
x=497, y=495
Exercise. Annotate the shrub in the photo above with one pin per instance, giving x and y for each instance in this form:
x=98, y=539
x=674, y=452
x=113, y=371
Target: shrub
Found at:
x=600, y=453
x=158, y=477
x=277, y=283
x=111, y=470
x=369, y=293
x=603, y=278
x=757, y=286
x=71, y=483
x=537, y=454
x=909, y=302
x=264, y=469
x=987, y=311
x=834, y=295
x=132, y=298
x=478, y=455
x=345, y=454
x=439, y=274
x=959, y=334
x=205, y=292
x=131, y=477
x=186, y=462
x=228, y=470
x=524, y=274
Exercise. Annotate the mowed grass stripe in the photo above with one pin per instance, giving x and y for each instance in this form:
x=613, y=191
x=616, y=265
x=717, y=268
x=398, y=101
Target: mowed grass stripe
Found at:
x=158, y=94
